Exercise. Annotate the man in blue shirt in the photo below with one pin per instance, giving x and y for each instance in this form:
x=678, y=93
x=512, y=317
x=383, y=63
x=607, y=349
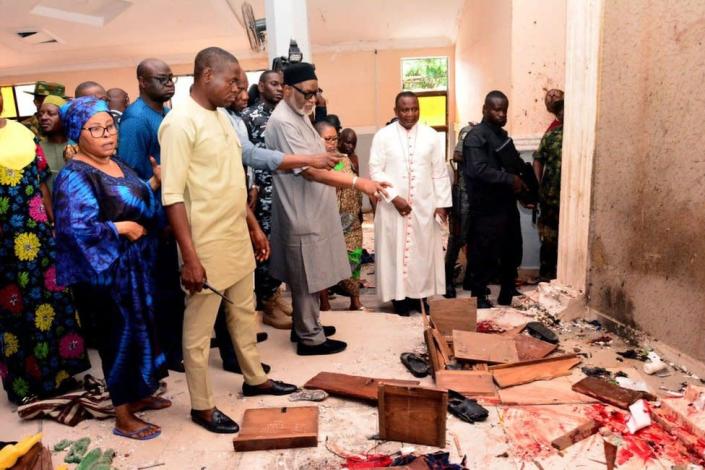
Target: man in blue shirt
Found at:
x=138, y=141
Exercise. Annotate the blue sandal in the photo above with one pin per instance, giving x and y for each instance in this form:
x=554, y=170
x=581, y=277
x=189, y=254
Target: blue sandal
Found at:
x=136, y=434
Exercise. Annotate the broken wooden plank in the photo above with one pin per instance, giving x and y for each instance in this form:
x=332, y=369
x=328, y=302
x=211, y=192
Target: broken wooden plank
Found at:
x=412, y=414
x=610, y=393
x=470, y=383
x=507, y=375
x=530, y=348
x=577, y=434
x=454, y=314
x=610, y=454
x=434, y=355
x=278, y=428
x=351, y=386
x=442, y=345
x=484, y=347
x=556, y=391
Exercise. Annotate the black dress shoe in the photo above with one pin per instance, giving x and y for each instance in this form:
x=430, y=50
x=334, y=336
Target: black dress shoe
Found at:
x=234, y=367
x=261, y=337
x=276, y=388
x=330, y=346
x=450, y=292
x=327, y=330
x=401, y=307
x=482, y=302
x=218, y=423
x=505, y=296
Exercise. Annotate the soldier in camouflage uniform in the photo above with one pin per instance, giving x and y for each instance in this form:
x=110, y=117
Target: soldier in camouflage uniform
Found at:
x=275, y=311
x=547, y=165
x=42, y=90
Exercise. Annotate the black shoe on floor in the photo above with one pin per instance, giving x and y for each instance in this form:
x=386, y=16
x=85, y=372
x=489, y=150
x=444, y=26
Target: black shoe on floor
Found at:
x=505, y=296
x=327, y=330
x=219, y=422
x=275, y=388
x=401, y=307
x=329, y=346
x=483, y=302
x=234, y=367
x=450, y=292
x=261, y=337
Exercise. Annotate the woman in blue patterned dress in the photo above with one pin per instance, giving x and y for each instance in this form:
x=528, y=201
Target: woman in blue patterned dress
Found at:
x=40, y=342
x=106, y=222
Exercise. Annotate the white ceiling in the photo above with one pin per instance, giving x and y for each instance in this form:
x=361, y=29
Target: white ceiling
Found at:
x=175, y=30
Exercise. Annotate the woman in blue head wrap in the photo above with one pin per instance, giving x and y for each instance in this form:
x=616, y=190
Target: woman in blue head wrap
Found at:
x=106, y=222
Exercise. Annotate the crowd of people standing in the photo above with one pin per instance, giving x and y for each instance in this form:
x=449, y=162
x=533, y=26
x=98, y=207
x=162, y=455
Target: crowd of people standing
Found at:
x=139, y=230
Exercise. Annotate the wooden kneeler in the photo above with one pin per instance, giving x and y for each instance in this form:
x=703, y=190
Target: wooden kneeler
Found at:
x=278, y=428
x=413, y=414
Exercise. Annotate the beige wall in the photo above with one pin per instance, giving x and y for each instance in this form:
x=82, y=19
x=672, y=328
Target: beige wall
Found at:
x=516, y=46
x=360, y=85
x=647, y=249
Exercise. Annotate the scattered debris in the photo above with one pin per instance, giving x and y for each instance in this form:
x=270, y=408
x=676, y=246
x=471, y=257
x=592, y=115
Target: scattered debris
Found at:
x=596, y=372
x=639, y=416
x=602, y=340
x=308, y=395
x=634, y=354
x=489, y=326
x=654, y=364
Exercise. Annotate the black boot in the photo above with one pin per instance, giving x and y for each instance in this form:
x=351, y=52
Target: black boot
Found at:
x=450, y=292
x=483, y=302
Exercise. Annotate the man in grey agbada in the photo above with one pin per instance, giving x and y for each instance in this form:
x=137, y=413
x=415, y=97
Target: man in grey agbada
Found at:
x=308, y=248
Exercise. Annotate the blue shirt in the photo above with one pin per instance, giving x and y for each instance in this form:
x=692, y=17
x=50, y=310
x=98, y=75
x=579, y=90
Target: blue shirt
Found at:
x=138, y=137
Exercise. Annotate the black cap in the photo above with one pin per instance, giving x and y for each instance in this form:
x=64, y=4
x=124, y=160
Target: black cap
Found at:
x=299, y=72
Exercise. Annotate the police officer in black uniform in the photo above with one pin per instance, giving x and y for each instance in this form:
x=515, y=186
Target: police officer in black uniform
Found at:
x=491, y=167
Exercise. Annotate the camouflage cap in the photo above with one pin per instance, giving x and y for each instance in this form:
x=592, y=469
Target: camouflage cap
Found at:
x=42, y=88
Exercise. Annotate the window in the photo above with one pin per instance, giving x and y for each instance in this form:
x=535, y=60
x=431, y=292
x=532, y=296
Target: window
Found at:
x=425, y=73
x=16, y=103
x=428, y=78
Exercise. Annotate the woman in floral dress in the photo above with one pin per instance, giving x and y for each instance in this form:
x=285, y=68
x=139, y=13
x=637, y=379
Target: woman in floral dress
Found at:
x=40, y=342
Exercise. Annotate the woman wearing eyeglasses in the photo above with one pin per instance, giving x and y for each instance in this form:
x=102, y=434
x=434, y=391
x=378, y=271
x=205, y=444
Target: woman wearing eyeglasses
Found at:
x=106, y=222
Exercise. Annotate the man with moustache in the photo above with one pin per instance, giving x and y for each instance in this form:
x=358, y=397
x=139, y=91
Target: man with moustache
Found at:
x=308, y=248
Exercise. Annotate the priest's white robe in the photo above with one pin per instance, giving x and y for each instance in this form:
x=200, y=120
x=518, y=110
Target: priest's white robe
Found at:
x=409, y=250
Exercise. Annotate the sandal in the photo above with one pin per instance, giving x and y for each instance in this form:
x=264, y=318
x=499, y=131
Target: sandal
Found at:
x=415, y=364
x=139, y=434
x=466, y=409
x=308, y=395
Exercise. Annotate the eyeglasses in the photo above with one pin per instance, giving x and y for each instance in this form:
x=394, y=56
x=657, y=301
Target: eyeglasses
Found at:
x=307, y=94
x=163, y=80
x=99, y=131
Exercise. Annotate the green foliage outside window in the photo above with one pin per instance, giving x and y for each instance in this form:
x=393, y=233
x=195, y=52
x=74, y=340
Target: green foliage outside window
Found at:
x=425, y=73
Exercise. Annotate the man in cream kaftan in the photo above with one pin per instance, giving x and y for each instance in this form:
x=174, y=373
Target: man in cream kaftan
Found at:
x=408, y=243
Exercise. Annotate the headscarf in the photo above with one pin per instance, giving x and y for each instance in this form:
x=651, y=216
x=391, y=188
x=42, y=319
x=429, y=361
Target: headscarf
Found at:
x=77, y=112
x=55, y=100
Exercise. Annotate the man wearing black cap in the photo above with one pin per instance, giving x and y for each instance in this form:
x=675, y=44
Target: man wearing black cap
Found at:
x=308, y=248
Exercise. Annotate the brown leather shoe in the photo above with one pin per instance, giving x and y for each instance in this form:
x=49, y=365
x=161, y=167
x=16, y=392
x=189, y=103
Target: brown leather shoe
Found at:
x=282, y=304
x=274, y=317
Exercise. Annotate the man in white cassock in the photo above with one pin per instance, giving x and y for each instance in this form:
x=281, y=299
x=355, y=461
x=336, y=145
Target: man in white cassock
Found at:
x=408, y=240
